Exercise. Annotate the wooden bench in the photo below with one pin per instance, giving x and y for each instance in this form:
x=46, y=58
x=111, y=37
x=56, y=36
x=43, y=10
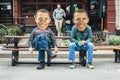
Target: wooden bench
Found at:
x=15, y=48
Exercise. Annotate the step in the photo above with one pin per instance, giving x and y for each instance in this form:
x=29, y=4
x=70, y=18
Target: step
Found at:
x=60, y=54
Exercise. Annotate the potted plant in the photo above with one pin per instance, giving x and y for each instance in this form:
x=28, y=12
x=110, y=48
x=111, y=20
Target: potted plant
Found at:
x=114, y=40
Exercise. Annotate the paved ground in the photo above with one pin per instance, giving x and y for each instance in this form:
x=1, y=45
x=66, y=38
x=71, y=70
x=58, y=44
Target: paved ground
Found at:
x=105, y=69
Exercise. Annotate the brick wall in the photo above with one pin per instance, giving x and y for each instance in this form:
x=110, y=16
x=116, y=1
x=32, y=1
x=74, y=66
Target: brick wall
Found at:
x=111, y=15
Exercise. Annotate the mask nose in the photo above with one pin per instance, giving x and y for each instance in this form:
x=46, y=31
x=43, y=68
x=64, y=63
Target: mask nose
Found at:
x=42, y=20
x=81, y=19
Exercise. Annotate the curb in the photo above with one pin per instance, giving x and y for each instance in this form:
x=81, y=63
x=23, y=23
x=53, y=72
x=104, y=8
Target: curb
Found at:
x=59, y=55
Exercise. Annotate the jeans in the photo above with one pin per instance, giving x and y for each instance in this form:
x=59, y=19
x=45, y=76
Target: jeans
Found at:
x=68, y=27
x=42, y=44
x=74, y=47
x=41, y=55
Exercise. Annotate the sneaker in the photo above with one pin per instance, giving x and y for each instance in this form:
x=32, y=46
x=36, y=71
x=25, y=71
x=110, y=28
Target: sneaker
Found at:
x=72, y=66
x=53, y=56
x=90, y=65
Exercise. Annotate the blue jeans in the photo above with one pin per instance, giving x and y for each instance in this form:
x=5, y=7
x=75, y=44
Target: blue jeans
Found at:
x=42, y=44
x=41, y=55
x=74, y=47
x=68, y=27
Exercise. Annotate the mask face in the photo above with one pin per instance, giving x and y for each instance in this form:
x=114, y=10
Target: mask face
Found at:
x=80, y=20
x=42, y=20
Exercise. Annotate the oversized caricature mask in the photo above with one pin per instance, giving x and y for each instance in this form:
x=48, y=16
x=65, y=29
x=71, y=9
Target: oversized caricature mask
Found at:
x=42, y=20
x=80, y=20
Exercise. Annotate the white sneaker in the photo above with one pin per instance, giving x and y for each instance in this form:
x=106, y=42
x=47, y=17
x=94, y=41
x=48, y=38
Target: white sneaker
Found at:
x=72, y=66
x=90, y=65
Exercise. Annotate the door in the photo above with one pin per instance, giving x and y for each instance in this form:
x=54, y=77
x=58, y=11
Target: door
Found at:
x=97, y=14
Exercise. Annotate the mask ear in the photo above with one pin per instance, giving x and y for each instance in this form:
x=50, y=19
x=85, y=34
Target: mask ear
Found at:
x=73, y=20
x=87, y=20
x=49, y=21
x=35, y=20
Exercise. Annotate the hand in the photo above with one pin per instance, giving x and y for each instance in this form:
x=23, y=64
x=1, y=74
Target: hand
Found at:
x=31, y=50
x=82, y=42
x=55, y=49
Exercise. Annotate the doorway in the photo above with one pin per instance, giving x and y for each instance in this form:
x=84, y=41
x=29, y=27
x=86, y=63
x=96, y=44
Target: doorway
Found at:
x=97, y=14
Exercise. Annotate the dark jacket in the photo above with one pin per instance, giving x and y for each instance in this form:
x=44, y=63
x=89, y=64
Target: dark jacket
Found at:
x=48, y=33
x=81, y=35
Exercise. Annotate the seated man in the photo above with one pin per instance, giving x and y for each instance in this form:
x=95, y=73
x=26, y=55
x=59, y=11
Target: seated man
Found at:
x=42, y=37
x=81, y=37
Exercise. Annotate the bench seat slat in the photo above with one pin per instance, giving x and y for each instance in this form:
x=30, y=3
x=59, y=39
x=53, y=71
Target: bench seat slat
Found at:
x=116, y=48
x=65, y=48
x=26, y=49
x=104, y=47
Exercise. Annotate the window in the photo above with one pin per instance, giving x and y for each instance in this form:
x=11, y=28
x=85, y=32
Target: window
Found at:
x=29, y=0
x=48, y=7
x=28, y=8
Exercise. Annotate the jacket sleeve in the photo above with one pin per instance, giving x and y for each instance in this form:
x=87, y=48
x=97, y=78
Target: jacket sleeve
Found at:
x=64, y=14
x=31, y=38
x=52, y=38
x=72, y=35
x=54, y=13
x=90, y=36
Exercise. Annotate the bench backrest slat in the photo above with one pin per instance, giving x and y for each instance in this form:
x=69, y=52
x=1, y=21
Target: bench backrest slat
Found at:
x=58, y=37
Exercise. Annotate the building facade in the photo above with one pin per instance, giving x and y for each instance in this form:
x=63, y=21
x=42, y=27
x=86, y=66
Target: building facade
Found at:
x=111, y=16
x=117, y=9
x=101, y=12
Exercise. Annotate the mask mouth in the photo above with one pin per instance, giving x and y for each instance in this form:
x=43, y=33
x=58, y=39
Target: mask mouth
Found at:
x=41, y=24
x=79, y=25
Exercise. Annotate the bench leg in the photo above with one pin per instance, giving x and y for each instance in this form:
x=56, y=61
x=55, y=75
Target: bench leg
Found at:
x=15, y=57
x=48, y=59
x=117, y=56
x=82, y=57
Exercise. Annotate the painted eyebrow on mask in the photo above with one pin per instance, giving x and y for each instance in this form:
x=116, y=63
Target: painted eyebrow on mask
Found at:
x=78, y=19
x=40, y=18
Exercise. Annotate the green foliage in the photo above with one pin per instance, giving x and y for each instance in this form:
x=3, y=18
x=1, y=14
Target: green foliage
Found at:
x=2, y=32
x=12, y=30
x=66, y=42
x=114, y=40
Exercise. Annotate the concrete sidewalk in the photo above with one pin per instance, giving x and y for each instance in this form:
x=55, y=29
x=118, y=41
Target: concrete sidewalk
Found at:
x=105, y=69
